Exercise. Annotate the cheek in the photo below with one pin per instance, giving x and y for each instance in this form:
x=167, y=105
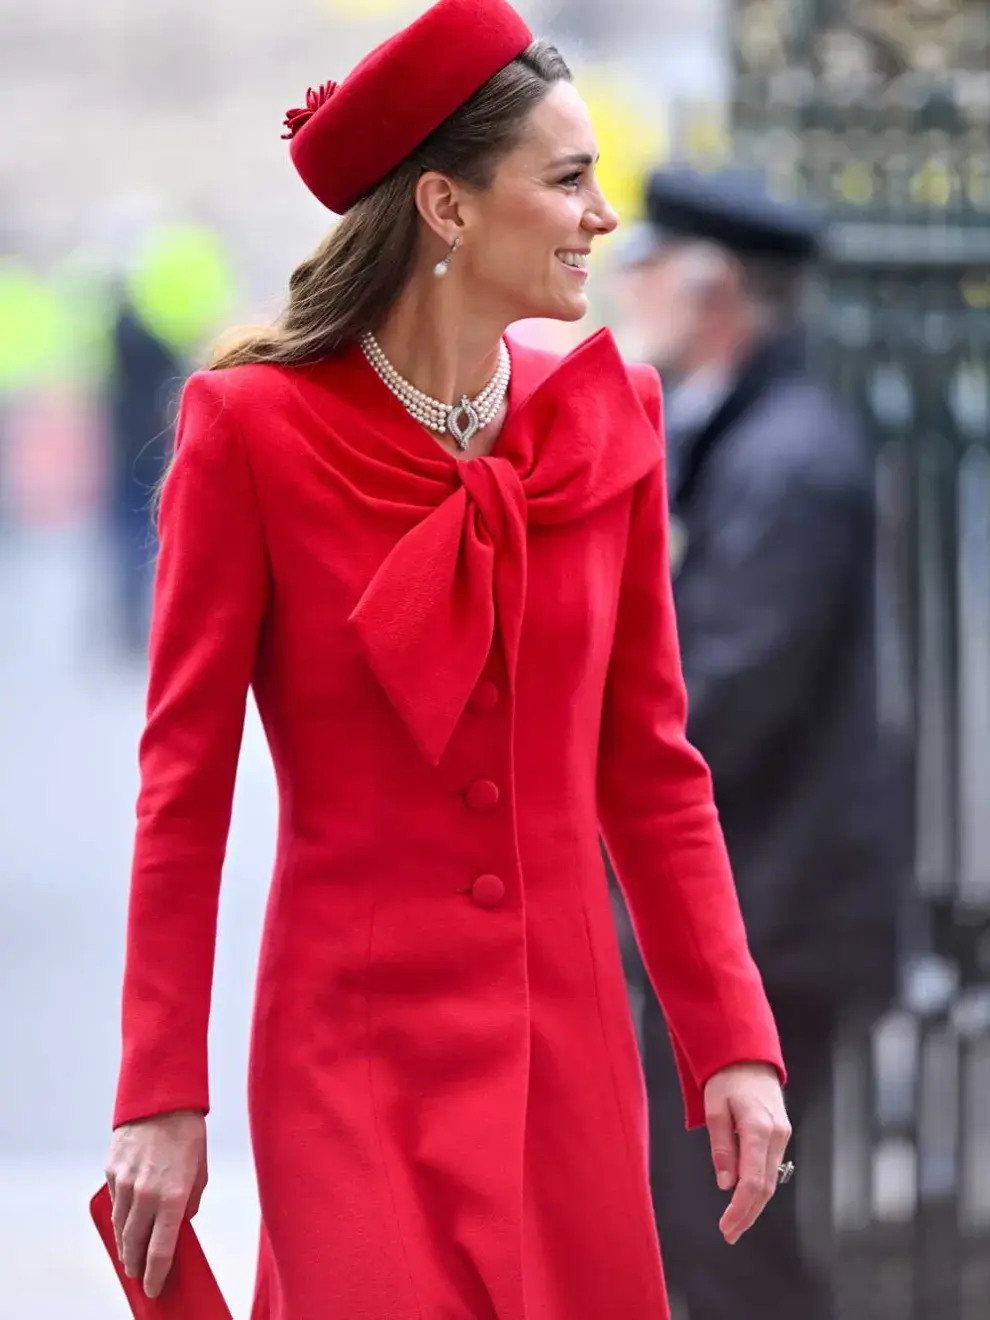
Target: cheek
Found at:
x=661, y=287
x=521, y=240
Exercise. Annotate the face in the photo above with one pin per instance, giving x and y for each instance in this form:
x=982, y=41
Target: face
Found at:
x=526, y=239
x=673, y=305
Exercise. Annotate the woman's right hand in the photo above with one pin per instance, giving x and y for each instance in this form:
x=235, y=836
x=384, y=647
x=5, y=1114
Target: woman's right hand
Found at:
x=156, y=1172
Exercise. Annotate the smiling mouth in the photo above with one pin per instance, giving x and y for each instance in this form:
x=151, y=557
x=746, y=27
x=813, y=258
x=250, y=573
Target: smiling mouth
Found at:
x=575, y=261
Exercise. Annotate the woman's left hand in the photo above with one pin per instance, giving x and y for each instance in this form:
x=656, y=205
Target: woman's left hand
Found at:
x=749, y=1131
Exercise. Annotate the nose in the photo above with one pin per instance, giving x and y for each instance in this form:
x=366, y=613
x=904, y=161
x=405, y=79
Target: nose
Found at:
x=600, y=218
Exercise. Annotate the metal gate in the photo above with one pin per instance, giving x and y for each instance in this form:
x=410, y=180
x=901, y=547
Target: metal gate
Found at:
x=879, y=110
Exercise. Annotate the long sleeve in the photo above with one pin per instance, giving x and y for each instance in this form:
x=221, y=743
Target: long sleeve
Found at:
x=661, y=828
x=211, y=593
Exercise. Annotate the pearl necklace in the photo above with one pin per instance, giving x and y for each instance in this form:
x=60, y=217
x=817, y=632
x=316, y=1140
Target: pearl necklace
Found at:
x=461, y=420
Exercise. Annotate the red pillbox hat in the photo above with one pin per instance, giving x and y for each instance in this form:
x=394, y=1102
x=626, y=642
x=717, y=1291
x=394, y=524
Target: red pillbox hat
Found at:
x=348, y=137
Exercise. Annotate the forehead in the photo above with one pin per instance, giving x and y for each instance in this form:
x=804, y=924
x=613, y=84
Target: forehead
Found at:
x=559, y=126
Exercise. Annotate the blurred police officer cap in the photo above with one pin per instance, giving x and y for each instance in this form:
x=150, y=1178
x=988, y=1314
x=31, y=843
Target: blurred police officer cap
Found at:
x=731, y=207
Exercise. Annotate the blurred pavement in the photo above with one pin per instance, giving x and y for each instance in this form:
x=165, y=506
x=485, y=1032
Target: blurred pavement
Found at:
x=70, y=716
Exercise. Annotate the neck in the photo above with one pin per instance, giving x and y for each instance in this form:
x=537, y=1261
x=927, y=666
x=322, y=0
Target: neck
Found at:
x=434, y=341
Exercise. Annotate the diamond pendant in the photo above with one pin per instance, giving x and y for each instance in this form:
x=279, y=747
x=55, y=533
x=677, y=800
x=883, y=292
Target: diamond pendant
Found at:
x=463, y=431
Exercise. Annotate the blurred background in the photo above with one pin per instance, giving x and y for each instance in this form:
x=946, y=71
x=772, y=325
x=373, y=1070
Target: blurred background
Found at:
x=147, y=201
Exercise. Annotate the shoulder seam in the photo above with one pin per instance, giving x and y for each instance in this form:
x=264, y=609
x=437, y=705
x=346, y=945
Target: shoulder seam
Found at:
x=235, y=423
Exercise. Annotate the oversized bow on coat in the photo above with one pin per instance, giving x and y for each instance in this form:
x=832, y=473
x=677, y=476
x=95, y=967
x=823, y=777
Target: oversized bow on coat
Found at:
x=427, y=618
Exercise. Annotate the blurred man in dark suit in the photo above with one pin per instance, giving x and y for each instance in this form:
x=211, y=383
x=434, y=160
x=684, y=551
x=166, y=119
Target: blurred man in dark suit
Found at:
x=772, y=547
x=145, y=378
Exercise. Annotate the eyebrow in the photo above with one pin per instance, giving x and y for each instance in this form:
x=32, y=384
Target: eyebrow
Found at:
x=576, y=158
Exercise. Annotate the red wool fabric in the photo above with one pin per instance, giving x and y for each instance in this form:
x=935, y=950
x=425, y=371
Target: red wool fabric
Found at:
x=399, y=93
x=463, y=669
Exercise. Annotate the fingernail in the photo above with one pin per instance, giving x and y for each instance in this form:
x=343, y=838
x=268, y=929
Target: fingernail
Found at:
x=725, y=1180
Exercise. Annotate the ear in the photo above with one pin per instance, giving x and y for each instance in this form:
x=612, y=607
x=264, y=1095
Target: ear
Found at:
x=438, y=201
x=718, y=278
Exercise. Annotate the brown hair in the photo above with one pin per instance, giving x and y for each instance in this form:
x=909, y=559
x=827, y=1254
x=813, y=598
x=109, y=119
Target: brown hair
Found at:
x=348, y=285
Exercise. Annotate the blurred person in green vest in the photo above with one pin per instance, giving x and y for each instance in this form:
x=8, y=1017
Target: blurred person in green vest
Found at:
x=32, y=343
x=176, y=289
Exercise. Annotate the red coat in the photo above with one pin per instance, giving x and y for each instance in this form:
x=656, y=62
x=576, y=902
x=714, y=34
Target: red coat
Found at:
x=463, y=670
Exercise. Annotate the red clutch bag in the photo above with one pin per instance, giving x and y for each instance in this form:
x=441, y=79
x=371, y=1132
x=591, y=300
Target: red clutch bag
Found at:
x=191, y=1291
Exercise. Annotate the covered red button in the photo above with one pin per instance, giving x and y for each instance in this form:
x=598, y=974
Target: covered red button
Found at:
x=488, y=891
x=482, y=795
x=484, y=698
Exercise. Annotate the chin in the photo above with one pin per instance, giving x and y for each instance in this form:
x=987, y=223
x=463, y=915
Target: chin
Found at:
x=576, y=312
x=573, y=309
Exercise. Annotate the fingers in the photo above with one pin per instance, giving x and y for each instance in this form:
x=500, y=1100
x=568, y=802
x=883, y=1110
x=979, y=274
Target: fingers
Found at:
x=161, y=1245
x=121, y=1195
x=136, y=1231
x=763, y=1139
x=725, y=1153
x=752, y=1192
x=149, y=1234
x=779, y=1140
x=156, y=1172
x=749, y=1131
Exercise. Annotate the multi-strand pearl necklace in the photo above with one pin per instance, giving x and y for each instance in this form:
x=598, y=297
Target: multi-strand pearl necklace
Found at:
x=461, y=420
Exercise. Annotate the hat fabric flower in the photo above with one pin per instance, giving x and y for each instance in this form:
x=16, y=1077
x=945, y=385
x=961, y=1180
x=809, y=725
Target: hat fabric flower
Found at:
x=295, y=119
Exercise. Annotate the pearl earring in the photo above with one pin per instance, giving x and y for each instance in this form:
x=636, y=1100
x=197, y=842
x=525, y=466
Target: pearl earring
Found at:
x=441, y=268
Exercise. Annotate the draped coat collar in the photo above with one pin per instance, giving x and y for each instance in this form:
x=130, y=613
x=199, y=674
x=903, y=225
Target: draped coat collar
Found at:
x=576, y=436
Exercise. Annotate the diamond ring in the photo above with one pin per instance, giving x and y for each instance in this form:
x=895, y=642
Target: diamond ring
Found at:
x=785, y=1173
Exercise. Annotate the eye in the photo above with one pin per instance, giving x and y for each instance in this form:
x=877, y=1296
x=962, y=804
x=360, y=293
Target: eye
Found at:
x=572, y=180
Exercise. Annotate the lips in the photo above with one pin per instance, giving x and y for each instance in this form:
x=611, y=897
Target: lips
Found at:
x=574, y=259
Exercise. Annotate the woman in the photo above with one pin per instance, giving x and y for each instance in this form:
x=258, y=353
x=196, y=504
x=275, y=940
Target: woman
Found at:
x=456, y=619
